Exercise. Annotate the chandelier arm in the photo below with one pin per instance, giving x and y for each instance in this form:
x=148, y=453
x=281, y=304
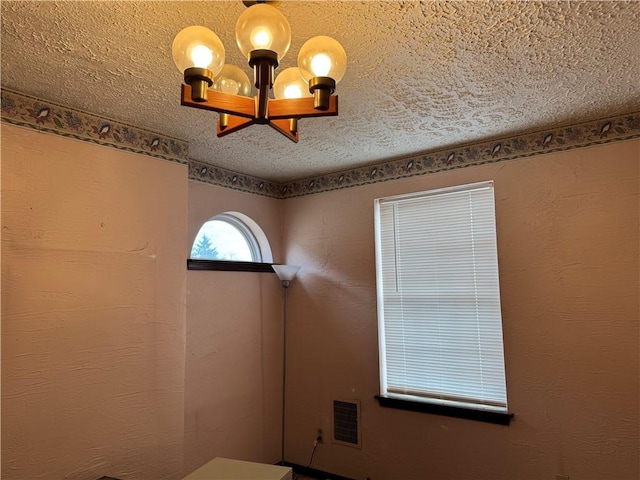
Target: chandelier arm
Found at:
x=300, y=108
x=233, y=124
x=284, y=127
x=221, y=102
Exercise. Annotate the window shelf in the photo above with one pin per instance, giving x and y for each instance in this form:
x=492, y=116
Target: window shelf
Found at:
x=228, y=266
x=457, y=412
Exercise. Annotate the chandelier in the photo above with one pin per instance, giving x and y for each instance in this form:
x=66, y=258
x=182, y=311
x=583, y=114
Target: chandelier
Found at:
x=263, y=35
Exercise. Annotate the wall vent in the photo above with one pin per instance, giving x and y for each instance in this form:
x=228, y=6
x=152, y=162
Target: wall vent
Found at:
x=346, y=423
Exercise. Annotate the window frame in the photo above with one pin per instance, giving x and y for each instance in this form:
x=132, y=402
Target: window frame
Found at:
x=422, y=403
x=246, y=232
x=255, y=238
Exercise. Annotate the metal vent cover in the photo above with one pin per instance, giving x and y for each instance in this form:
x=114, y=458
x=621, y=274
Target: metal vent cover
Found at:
x=346, y=422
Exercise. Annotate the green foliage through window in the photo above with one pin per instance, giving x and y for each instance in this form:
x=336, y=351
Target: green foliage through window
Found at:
x=226, y=237
x=204, y=249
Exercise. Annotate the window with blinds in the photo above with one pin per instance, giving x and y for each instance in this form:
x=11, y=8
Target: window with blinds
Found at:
x=440, y=326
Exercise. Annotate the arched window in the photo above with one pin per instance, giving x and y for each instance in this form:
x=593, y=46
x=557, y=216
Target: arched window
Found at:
x=231, y=236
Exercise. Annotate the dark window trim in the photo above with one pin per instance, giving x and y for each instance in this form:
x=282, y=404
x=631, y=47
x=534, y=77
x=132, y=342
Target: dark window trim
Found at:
x=449, y=411
x=228, y=266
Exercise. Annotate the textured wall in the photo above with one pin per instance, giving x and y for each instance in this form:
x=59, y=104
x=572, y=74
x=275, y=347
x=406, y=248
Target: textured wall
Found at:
x=568, y=254
x=93, y=314
x=94, y=377
x=233, y=360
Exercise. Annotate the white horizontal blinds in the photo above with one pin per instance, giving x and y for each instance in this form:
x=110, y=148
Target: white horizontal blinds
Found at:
x=440, y=298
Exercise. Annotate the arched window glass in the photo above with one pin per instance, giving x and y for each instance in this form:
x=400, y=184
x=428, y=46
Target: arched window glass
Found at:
x=230, y=236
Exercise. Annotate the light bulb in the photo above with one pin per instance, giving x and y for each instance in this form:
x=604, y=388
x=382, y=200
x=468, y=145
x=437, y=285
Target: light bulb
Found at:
x=229, y=86
x=292, y=91
x=322, y=57
x=290, y=84
x=232, y=79
x=321, y=65
x=263, y=27
x=198, y=47
x=261, y=38
x=201, y=56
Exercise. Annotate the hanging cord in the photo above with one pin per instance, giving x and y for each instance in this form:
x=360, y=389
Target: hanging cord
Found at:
x=315, y=445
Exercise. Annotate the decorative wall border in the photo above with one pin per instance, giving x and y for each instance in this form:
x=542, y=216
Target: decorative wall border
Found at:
x=51, y=117
x=207, y=173
x=612, y=129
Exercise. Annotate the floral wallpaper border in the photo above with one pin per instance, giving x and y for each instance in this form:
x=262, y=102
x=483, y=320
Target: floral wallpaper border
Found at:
x=24, y=110
x=612, y=129
x=205, y=172
x=50, y=117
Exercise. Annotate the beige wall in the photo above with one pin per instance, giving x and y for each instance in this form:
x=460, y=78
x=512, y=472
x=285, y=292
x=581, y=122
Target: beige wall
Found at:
x=102, y=375
x=233, y=363
x=93, y=311
x=568, y=253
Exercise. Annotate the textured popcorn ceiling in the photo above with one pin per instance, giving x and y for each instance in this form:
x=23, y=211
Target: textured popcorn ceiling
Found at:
x=421, y=75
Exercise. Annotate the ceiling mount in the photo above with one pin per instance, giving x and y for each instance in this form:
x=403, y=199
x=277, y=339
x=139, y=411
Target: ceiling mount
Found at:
x=250, y=3
x=263, y=35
